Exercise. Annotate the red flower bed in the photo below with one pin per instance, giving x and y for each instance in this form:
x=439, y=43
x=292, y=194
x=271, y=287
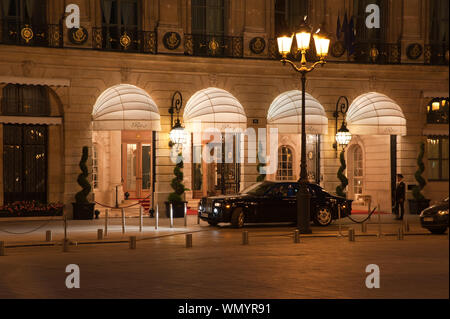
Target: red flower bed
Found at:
x=31, y=209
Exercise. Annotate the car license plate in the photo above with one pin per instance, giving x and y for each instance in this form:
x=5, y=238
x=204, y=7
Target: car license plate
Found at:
x=204, y=214
x=428, y=219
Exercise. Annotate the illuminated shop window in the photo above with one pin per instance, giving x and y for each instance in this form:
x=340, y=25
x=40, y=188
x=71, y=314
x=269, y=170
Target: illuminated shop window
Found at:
x=358, y=174
x=285, y=164
x=437, y=153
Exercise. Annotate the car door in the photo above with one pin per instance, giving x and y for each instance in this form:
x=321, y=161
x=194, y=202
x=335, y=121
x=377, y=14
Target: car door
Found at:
x=280, y=203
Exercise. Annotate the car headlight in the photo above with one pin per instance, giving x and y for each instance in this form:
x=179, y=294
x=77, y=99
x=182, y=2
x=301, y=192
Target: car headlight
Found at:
x=217, y=204
x=200, y=207
x=443, y=212
x=215, y=211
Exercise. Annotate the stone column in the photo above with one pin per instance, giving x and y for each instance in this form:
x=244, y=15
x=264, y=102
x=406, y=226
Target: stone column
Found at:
x=255, y=33
x=170, y=31
x=412, y=30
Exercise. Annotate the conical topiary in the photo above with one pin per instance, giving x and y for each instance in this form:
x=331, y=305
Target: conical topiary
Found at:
x=81, y=196
x=177, y=184
x=417, y=190
x=340, y=189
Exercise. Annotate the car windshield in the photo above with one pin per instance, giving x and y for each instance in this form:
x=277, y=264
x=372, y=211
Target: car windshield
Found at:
x=258, y=189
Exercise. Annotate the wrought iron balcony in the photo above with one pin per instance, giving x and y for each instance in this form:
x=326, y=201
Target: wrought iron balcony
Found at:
x=378, y=53
x=122, y=39
x=437, y=53
x=12, y=32
x=213, y=46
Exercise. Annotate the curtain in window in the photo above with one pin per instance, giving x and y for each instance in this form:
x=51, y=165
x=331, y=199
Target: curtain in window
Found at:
x=128, y=13
x=214, y=16
x=5, y=7
x=439, y=21
x=29, y=6
x=106, y=8
x=363, y=34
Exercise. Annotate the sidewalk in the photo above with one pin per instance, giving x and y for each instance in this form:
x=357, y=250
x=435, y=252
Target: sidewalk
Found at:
x=29, y=233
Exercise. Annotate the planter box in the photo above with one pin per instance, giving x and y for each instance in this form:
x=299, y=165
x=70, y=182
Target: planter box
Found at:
x=178, y=209
x=416, y=207
x=37, y=213
x=83, y=211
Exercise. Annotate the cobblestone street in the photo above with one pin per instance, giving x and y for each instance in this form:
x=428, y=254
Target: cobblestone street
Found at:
x=219, y=266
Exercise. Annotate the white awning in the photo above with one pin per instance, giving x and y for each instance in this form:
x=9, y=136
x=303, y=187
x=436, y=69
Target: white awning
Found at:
x=31, y=120
x=214, y=108
x=285, y=113
x=125, y=107
x=375, y=114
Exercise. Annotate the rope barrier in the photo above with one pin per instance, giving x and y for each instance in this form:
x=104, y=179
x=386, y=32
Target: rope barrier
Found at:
x=30, y=231
x=119, y=207
x=365, y=219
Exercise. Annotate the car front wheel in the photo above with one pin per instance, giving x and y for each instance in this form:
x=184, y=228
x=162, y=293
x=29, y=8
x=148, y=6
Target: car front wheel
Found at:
x=438, y=231
x=322, y=217
x=237, y=218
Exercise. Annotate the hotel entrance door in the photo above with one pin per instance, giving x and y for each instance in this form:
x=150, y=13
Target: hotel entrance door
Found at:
x=136, y=163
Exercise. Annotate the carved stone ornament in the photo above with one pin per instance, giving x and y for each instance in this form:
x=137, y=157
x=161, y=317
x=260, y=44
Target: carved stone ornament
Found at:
x=78, y=36
x=414, y=51
x=171, y=40
x=257, y=45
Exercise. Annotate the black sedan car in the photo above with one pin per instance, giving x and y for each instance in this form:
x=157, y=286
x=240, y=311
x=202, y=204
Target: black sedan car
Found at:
x=435, y=218
x=269, y=202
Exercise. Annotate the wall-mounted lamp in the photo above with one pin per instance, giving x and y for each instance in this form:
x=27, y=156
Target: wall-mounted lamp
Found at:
x=343, y=135
x=177, y=133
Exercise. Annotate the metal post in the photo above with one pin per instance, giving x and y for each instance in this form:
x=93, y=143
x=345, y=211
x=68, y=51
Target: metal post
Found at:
x=351, y=234
x=185, y=214
x=400, y=233
x=339, y=221
x=296, y=236
x=106, y=222
x=65, y=227
x=188, y=240
x=48, y=235
x=2, y=248
x=132, y=242
x=364, y=227
x=100, y=234
x=171, y=215
x=157, y=217
x=117, y=199
x=198, y=219
x=245, y=238
x=379, y=222
x=65, y=245
x=141, y=221
x=123, y=220
x=405, y=223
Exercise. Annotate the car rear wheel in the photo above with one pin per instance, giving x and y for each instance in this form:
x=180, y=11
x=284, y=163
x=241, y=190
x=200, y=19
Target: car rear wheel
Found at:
x=322, y=217
x=238, y=218
x=437, y=231
x=212, y=223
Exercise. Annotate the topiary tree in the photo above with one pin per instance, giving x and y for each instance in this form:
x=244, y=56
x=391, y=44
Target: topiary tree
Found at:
x=81, y=196
x=261, y=177
x=417, y=190
x=177, y=184
x=340, y=189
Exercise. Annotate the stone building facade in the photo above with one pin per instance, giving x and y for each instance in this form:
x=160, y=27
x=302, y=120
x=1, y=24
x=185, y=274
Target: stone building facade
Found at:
x=155, y=48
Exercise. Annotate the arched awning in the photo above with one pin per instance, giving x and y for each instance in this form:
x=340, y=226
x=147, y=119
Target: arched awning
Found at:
x=125, y=107
x=375, y=114
x=285, y=113
x=213, y=107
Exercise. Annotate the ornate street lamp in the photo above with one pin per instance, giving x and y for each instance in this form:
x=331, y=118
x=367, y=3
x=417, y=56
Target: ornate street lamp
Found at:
x=343, y=135
x=322, y=43
x=177, y=133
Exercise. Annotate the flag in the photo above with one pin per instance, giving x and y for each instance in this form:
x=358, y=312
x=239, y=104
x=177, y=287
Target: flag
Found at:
x=352, y=37
x=345, y=31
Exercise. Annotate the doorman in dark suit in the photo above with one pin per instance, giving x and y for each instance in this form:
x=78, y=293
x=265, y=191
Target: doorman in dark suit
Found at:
x=400, y=194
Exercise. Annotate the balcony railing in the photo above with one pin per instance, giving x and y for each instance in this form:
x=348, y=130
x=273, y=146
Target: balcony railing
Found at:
x=12, y=32
x=436, y=53
x=123, y=39
x=378, y=53
x=213, y=46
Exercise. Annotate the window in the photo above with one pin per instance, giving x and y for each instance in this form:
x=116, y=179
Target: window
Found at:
x=25, y=163
x=362, y=33
x=439, y=21
x=285, y=164
x=289, y=14
x=95, y=166
x=119, y=18
x=358, y=173
x=32, y=12
x=25, y=100
x=437, y=151
x=208, y=17
x=437, y=111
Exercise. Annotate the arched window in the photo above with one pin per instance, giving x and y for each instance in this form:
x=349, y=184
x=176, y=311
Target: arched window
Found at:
x=358, y=173
x=289, y=14
x=285, y=164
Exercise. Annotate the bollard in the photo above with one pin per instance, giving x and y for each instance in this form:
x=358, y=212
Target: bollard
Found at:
x=351, y=234
x=65, y=227
x=48, y=235
x=339, y=221
x=188, y=240
x=406, y=224
x=123, y=221
x=65, y=245
x=364, y=227
x=198, y=218
x=141, y=221
x=100, y=234
x=106, y=222
x=132, y=242
x=296, y=236
x=379, y=223
x=157, y=217
x=171, y=215
x=245, y=238
x=2, y=248
x=400, y=234
x=185, y=214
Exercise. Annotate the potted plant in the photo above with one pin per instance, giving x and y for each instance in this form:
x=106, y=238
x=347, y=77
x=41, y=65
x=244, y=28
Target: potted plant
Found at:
x=82, y=209
x=419, y=202
x=176, y=198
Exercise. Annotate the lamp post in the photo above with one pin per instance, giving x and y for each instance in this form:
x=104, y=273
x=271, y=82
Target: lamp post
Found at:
x=322, y=43
x=343, y=135
x=177, y=133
